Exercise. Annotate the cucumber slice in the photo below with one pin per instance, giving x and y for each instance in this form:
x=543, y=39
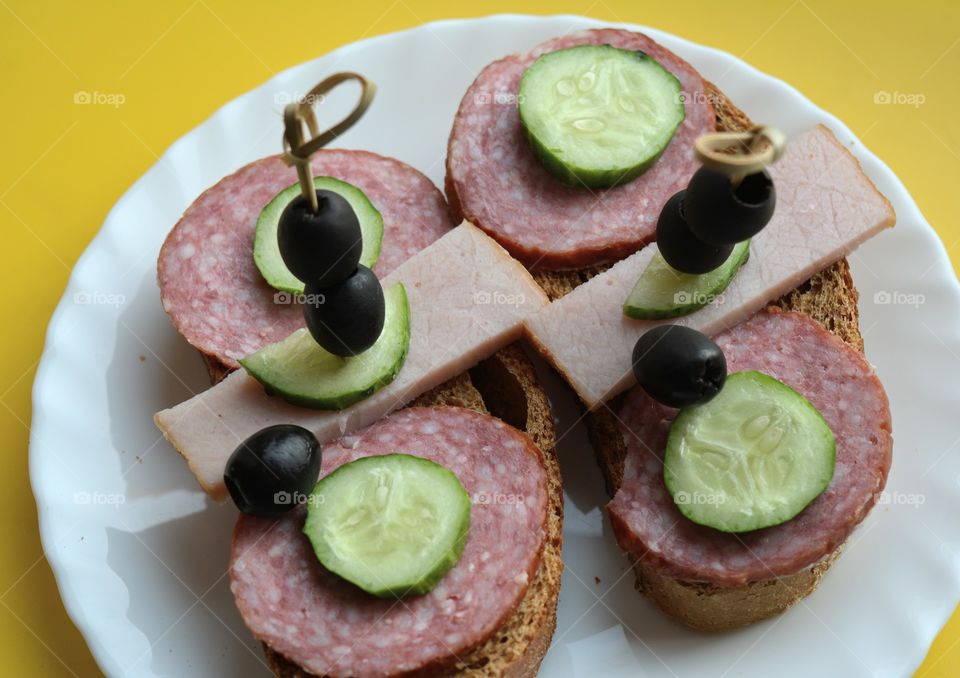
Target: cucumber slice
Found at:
x=664, y=292
x=752, y=457
x=266, y=250
x=393, y=525
x=301, y=372
x=597, y=115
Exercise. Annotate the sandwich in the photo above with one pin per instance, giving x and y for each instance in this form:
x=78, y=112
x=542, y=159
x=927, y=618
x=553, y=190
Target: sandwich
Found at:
x=447, y=351
x=566, y=204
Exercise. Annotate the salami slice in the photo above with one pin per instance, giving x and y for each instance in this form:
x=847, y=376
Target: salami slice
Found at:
x=838, y=382
x=209, y=283
x=494, y=180
x=330, y=628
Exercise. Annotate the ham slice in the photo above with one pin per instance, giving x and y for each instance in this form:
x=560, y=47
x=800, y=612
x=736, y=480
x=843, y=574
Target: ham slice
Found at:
x=467, y=299
x=826, y=207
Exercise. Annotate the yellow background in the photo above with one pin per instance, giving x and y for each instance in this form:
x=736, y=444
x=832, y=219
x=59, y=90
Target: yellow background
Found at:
x=62, y=166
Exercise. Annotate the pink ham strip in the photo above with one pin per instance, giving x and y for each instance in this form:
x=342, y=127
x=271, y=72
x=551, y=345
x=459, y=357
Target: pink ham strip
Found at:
x=826, y=207
x=467, y=298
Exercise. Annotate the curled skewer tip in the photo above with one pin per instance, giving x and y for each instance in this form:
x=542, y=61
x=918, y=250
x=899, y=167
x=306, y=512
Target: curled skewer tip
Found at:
x=299, y=121
x=738, y=154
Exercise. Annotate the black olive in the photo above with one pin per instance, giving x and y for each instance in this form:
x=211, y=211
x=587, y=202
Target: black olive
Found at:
x=721, y=215
x=273, y=470
x=347, y=318
x=680, y=247
x=678, y=366
x=321, y=248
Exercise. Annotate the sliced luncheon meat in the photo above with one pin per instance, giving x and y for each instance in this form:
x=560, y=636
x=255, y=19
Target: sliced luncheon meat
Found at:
x=826, y=207
x=331, y=628
x=839, y=383
x=209, y=283
x=467, y=299
x=495, y=180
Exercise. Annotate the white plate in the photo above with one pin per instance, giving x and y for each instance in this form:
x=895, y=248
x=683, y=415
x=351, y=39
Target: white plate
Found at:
x=140, y=554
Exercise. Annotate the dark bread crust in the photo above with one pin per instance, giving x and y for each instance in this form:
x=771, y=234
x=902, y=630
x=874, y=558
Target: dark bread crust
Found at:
x=504, y=385
x=830, y=298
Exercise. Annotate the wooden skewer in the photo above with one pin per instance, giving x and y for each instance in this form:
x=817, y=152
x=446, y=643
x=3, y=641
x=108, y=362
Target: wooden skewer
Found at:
x=293, y=135
x=299, y=118
x=738, y=154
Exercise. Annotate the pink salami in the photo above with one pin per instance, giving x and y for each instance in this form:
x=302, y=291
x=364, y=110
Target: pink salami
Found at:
x=209, y=283
x=494, y=180
x=838, y=382
x=330, y=628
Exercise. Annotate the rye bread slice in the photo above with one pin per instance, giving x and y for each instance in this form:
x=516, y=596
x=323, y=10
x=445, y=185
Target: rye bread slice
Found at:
x=830, y=298
x=506, y=386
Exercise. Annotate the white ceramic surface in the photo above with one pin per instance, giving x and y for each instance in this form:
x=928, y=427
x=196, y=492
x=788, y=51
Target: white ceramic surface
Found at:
x=140, y=554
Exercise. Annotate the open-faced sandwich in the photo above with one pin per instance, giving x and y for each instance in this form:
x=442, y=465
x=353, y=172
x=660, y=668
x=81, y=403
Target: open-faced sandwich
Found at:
x=733, y=510
x=433, y=541
x=385, y=437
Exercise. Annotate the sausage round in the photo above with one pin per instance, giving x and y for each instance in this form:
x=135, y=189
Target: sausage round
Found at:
x=330, y=628
x=209, y=283
x=495, y=181
x=838, y=381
